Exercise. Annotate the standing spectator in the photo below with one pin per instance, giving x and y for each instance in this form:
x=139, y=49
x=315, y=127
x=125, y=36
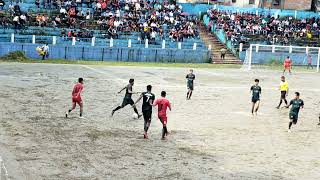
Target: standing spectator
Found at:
x=45, y=49
x=37, y=2
x=223, y=53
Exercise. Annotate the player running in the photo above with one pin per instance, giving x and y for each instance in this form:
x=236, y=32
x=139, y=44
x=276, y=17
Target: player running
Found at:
x=256, y=93
x=190, y=78
x=284, y=88
x=127, y=98
x=76, y=97
x=148, y=99
x=296, y=103
x=287, y=65
x=163, y=104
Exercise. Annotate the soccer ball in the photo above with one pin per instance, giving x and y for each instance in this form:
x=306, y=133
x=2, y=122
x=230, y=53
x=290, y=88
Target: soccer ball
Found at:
x=134, y=116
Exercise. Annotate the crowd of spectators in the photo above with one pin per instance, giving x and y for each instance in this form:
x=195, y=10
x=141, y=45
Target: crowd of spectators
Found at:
x=154, y=20
x=273, y=30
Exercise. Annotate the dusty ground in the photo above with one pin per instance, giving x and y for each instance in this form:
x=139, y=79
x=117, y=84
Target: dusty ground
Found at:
x=213, y=136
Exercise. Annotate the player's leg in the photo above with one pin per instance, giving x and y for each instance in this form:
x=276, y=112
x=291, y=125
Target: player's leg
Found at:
x=319, y=120
x=257, y=107
x=81, y=108
x=72, y=108
x=188, y=93
x=280, y=101
x=134, y=108
x=124, y=103
x=147, y=122
x=253, y=105
x=164, y=127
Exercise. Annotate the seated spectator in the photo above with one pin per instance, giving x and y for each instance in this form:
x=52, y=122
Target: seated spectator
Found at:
x=2, y=4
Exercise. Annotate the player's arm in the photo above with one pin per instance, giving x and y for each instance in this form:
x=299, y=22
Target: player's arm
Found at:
x=302, y=105
x=122, y=90
x=138, y=99
x=155, y=103
x=289, y=104
x=151, y=101
x=169, y=106
x=287, y=91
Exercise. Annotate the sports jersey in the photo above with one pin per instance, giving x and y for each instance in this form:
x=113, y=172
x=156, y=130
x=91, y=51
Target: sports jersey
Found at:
x=190, y=77
x=284, y=86
x=128, y=95
x=296, y=105
x=76, y=89
x=256, y=91
x=163, y=104
x=147, y=96
x=287, y=62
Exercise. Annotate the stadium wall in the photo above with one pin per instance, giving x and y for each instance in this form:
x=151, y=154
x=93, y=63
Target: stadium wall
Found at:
x=99, y=53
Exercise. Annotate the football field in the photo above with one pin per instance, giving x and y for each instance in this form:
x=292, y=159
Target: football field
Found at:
x=212, y=136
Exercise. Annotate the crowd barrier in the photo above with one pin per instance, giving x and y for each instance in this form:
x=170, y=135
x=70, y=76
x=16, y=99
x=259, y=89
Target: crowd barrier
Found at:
x=100, y=53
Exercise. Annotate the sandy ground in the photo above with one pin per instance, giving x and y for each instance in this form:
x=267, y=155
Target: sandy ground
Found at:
x=213, y=136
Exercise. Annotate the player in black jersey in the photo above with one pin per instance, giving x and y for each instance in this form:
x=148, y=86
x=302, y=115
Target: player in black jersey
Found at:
x=127, y=98
x=256, y=93
x=148, y=99
x=190, y=78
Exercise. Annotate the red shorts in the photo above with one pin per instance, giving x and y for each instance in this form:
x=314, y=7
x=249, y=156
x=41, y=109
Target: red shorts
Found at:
x=76, y=100
x=287, y=66
x=163, y=119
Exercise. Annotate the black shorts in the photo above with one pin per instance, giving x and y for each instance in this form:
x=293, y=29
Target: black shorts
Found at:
x=254, y=100
x=147, y=115
x=283, y=94
x=293, y=117
x=127, y=101
x=190, y=86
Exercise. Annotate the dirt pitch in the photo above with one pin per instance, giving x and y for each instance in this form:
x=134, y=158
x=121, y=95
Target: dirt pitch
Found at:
x=213, y=136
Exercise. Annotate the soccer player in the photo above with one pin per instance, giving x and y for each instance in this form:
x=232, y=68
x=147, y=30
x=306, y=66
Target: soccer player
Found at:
x=190, y=78
x=256, y=93
x=148, y=99
x=163, y=104
x=309, y=58
x=287, y=65
x=76, y=97
x=127, y=98
x=284, y=88
x=296, y=103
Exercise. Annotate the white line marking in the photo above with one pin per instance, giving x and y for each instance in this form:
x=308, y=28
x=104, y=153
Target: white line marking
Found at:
x=4, y=168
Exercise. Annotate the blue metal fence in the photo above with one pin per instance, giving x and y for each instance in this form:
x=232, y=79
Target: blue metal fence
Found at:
x=100, y=53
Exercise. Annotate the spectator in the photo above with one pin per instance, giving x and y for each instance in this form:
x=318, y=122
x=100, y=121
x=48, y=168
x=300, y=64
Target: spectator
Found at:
x=223, y=53
x=2, y=4
x=45, y=49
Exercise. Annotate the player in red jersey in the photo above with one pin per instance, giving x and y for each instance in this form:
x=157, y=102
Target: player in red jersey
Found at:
x=76, y=97
x=163, y=104
x=287, y=65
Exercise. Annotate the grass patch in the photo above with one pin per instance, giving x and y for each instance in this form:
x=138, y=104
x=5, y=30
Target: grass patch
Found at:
x=15, y=56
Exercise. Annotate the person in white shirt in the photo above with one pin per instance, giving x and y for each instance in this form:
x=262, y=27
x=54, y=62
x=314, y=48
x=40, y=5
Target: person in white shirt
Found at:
x=45, y=49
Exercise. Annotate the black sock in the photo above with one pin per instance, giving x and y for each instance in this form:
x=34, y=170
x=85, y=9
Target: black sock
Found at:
x=290, y=124
x=146, y=126
x=285, y=101
x=80, y=114
x=280, y=103
x=252, y=110
x=69, y=110
x=190, y=94
x=136, y=110
x=117, y=108
x=164, y=131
